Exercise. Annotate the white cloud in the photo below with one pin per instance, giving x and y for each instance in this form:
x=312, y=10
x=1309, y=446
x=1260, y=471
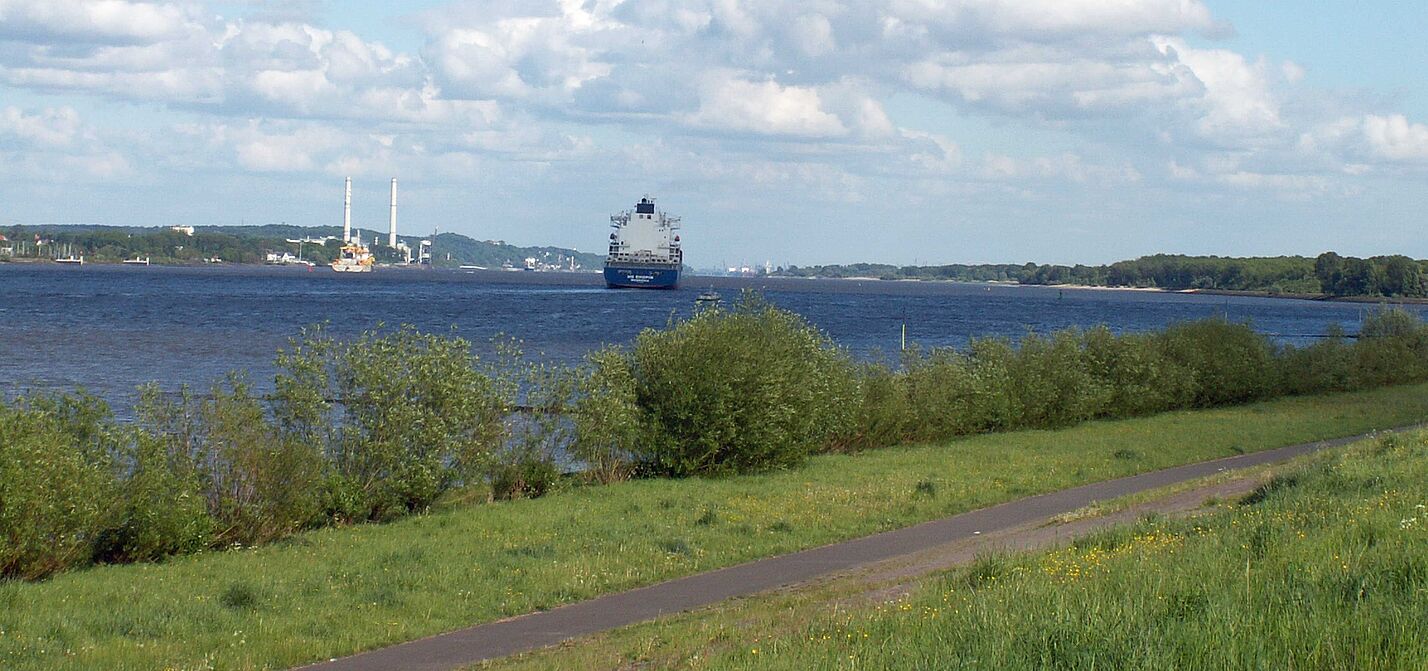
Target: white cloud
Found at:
x=729, y=102
x=106, y=21
x=1237, y=101
x=54, y=144
x=1395, y=138
x=53, y=127
x=1049, y=19
x=827, y=93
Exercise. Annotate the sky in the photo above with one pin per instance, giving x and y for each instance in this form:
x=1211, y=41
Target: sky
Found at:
x=902, y=131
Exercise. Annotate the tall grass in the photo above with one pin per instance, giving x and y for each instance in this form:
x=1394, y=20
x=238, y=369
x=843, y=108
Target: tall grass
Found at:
x=1325, y=567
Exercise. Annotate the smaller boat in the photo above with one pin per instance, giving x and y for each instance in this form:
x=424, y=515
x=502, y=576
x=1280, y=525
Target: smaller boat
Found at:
x=708, y=297
x=137, y=261
x=353, y=258
x=76, y=260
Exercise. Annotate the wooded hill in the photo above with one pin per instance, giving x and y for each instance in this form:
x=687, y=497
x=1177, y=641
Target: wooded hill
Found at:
x=251, y=244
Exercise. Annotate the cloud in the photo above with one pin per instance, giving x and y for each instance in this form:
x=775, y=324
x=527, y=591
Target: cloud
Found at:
x=1236, y=101
x=1393, y=137
x=729, y=102
x=52, y=127
x=54, y=144
x=825, y=83
x=102, y=21
x=1053, y=19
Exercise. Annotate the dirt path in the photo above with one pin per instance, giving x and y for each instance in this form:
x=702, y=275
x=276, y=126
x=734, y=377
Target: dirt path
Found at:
x=913, y=551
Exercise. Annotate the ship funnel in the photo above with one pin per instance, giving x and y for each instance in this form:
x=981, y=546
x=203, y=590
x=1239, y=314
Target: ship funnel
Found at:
x=347, y=213
x=392, y=225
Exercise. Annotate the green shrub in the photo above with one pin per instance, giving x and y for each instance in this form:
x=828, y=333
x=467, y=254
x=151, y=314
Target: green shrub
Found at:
x=1392, y=348
x=1326, y=365
x=161, y=507
x=884, y=414
x=1230, y=363
x=55, y=484
x=1135, y=374
x=1051, y=383
x=606, y=413
x=258, y=484
x=738, y=391
x=416, y=417
x=523, y=475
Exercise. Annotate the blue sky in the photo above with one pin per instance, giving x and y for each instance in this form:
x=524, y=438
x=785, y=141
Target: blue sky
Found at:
x=798, y=132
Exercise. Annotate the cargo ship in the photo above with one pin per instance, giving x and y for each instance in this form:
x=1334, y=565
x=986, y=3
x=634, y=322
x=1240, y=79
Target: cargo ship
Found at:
x=644, y=249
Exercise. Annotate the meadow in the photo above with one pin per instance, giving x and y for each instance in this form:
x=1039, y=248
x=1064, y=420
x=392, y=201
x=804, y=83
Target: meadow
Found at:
x=335, y=591
x=1323, y=567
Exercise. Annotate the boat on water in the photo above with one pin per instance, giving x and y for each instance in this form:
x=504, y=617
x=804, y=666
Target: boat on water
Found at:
x=708, y=297
x=72, y=259
x=137, y=261
x=354, y=257
x=644, y=249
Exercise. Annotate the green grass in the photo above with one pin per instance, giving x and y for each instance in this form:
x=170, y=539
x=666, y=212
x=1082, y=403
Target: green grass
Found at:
x=337, y=591
x=1324, y=568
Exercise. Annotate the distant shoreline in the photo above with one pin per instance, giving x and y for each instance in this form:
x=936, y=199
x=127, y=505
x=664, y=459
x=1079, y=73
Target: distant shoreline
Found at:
x=1397, y=300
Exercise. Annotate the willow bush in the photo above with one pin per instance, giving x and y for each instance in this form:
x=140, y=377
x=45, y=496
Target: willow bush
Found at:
x=55, y=483
x=401, y=417
x=741, y=390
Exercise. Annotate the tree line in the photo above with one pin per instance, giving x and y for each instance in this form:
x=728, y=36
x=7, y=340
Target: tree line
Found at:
x=1329, y=274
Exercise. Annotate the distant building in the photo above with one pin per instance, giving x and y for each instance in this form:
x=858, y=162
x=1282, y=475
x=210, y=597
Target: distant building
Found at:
x=186, y=230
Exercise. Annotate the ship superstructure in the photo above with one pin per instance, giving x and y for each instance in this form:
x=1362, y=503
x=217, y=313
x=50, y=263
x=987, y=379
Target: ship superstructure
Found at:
x=644, y=248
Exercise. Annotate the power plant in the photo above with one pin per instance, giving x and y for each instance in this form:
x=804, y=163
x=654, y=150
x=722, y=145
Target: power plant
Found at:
x=347, y=239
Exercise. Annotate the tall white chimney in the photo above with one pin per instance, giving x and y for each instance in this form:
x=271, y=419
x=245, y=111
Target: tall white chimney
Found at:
x=347, y=213
x=392, y=230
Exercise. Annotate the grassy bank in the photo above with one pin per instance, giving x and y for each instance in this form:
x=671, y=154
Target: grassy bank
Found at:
x=336, y=591
x=1324, y=568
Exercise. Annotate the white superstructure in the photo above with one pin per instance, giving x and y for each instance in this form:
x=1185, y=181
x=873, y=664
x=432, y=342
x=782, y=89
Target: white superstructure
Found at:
x=645, y=235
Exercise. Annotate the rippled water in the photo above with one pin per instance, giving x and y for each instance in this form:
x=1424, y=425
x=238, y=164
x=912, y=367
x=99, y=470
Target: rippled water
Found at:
x=110, y=328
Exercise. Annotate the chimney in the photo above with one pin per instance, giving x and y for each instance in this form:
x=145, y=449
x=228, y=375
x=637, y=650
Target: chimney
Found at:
x=347, y=213
x=392, y=230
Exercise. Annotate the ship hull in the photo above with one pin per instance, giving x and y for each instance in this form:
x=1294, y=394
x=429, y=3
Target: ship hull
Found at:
x=641, y=277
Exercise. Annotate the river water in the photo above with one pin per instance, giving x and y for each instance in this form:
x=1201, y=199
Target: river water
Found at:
x=108, y=329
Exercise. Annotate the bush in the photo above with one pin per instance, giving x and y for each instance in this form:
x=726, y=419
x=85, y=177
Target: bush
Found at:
x=606, y=413
x=161, y=508
x=258, y=484
x=55, y=483
x=952, y=394
x=884, y=413
x=1230, y=363
x=738, y=391
x=1135, y=374
x=1326, y=365
x=416, y=417
x=1051, y=384
x=1392, y=348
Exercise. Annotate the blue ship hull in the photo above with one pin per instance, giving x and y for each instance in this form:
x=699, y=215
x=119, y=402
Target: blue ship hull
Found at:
x=641, y=277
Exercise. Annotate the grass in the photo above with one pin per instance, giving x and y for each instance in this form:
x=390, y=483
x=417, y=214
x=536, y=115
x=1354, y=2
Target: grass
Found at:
x=338, y=591
x=1324, y=568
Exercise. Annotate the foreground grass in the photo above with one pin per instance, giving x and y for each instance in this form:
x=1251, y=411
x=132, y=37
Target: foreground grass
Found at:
x=1325, y=568
x=334, y=592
